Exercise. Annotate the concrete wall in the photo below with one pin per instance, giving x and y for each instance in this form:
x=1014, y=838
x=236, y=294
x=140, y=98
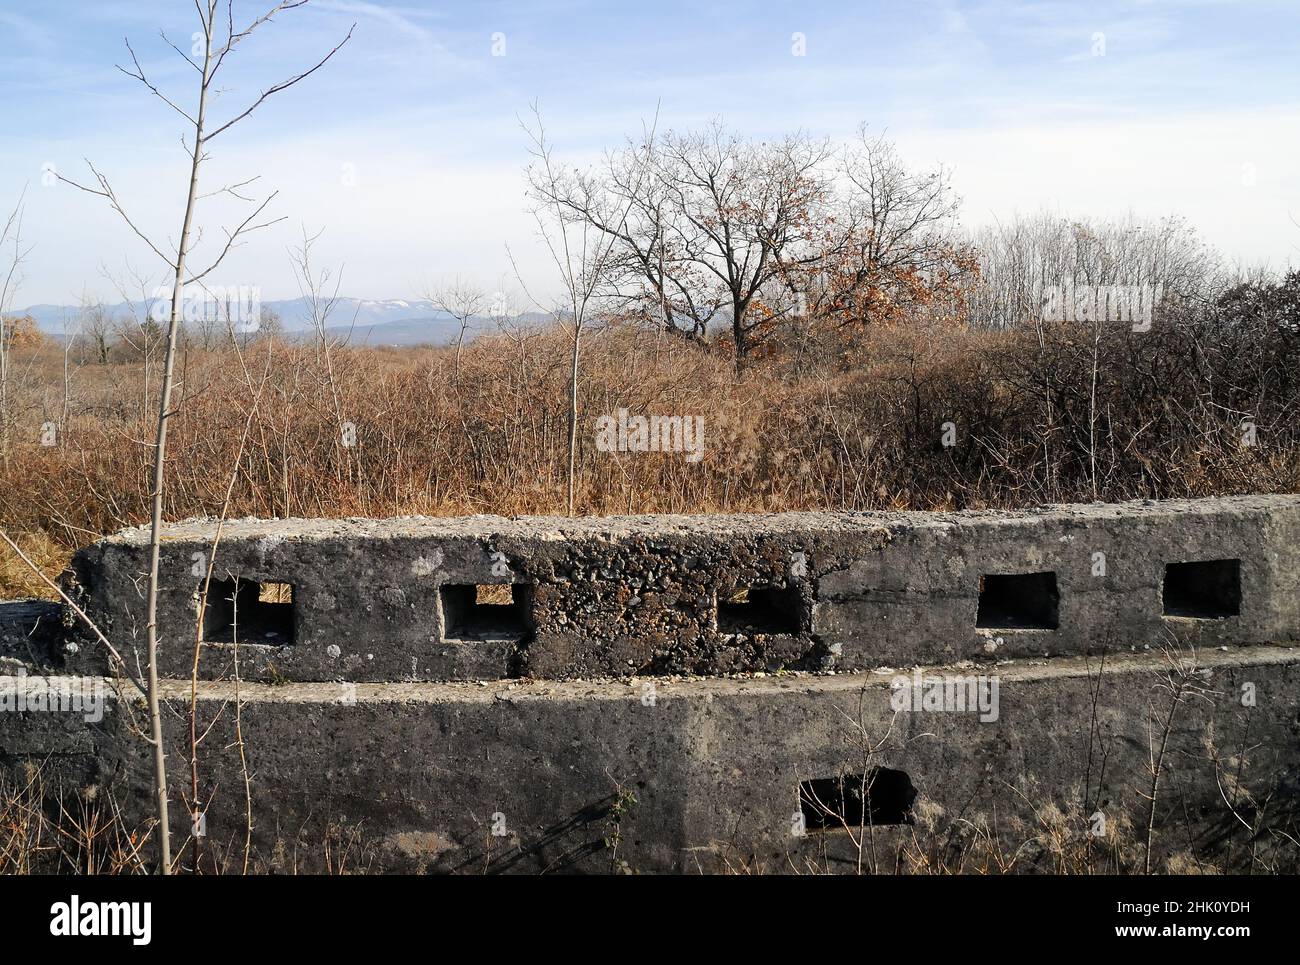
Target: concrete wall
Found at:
x=708, y=771
x=385, y=600
x=620, y=709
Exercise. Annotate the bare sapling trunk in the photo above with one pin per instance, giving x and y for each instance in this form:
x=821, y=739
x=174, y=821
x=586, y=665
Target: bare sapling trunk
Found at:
x=214, y=50
x=159, y=460
x=581, y=251
x=573, y=410
x=321, y=301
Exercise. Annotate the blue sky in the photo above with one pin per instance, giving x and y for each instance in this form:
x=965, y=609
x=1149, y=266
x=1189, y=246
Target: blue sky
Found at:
x=406, y=147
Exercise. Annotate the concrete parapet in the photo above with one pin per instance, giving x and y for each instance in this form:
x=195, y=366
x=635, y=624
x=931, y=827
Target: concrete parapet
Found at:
x=429, y=599
x=711, y=773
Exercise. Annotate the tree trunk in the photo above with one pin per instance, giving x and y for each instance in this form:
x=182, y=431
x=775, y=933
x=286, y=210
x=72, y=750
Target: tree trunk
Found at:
x=160, y=456
x=573, y=411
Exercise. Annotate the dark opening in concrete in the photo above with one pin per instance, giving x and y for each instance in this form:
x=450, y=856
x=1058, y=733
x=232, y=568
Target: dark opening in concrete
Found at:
x=1018, y=601
x=1206, y=589
x=759, y=609
x=881, y=796
x=485, y=611
x=253, y=612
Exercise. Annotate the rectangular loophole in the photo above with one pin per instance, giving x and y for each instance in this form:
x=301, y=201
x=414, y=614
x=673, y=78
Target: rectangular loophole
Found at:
x=1203, y=590
x=879, y=797
x=759, y=609
x=1018, y=601
x=485, y=611
x=250, y=612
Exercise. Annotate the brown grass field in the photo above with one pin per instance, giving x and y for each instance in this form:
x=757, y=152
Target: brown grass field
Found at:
x=1053, y=413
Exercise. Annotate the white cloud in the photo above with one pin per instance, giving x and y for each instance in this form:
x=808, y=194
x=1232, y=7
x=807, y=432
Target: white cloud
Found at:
x=1198, y=166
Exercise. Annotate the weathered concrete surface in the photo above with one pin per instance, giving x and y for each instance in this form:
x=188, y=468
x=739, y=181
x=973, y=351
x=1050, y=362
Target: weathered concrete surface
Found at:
x=714, y=765
x=34, y=633
x=640, y=595
x=384, y=712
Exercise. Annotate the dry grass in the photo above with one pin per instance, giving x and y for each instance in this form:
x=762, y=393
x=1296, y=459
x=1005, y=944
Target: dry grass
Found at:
x=45, y=830
x=17, y=579
x=48, y=826
x=813, y=425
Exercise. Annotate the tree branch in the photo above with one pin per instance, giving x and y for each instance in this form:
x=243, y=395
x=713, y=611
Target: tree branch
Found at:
x=283, y=85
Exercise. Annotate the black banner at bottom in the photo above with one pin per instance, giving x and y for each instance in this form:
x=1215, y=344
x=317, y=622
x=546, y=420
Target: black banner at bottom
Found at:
x=301, y=914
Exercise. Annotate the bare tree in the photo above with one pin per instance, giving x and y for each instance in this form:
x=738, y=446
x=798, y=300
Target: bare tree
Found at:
x=462, y=300
x=217, y=38
x=646, y=277
x=703, y=226
x=581, y=252
x=139, y=328
x=322, y=298
x=96, y=327
x=1018, y=258
x=889, y=247
x=744, y=213
x=271, y=325
x=761, y=235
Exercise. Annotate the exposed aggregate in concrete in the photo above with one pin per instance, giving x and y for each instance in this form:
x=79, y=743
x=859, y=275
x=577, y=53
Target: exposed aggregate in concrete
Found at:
x=646, y=595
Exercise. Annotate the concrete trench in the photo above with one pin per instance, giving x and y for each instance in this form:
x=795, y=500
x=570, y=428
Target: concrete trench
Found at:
x=666, y=694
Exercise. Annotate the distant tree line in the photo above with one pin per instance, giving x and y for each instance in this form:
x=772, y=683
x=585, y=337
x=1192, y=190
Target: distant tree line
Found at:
x=714, y=235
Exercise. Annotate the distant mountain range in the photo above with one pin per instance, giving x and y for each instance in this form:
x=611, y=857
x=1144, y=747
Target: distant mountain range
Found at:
x=391, y=321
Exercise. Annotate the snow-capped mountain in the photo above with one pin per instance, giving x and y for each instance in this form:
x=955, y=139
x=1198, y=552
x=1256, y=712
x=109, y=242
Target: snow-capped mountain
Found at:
x=294, y=313
x=363, y=321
